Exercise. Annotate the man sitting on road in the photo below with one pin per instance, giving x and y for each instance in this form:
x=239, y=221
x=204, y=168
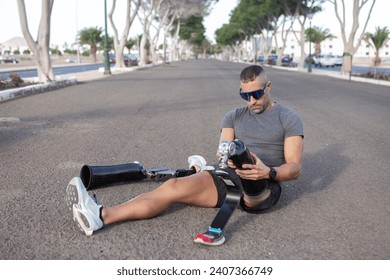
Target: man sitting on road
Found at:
x=273, y=134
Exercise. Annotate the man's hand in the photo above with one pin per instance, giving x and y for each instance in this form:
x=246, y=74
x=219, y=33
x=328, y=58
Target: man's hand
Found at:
x=231, y=164
x=255, y=171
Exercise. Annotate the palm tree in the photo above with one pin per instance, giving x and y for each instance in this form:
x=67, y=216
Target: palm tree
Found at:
x=91, y=36
x=130, y=43
x=377, y=41
x=317, y=35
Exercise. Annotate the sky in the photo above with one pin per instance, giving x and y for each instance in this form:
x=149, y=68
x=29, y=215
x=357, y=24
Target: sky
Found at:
x=70, y=16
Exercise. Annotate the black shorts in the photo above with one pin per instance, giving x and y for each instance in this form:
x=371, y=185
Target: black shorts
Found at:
x=273, y=198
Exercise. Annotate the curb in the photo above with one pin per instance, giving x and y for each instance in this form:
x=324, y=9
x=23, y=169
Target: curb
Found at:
x=67, y=81
x=127, y=69
x=34, y=89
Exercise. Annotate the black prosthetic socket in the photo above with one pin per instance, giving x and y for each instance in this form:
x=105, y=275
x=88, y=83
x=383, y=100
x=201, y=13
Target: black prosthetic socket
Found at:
x=96, y=176
x=242, y=156
x=254, y=188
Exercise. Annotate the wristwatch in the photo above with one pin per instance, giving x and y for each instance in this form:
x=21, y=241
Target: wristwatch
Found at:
x=272, y=174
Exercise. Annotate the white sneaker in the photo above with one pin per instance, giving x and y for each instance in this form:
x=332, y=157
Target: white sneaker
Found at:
x=198, y=161
x=86, y=212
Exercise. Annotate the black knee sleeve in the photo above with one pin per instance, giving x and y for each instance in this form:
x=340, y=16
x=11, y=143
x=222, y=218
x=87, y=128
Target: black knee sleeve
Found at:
x=273, y=198
x=254, y=188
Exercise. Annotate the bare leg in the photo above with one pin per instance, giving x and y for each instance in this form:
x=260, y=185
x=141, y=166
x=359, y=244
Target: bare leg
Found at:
x=198, y=190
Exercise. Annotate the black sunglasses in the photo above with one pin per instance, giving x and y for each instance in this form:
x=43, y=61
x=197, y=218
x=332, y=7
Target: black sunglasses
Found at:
x=256, y=94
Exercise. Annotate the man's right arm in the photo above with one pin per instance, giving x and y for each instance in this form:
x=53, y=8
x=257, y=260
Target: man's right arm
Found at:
x=227, y=134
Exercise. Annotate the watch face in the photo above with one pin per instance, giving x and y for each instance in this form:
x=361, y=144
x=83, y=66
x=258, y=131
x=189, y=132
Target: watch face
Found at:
x=272, y=173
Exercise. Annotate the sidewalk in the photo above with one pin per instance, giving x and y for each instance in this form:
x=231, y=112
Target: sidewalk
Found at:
x=336, y=75
x=99, y=74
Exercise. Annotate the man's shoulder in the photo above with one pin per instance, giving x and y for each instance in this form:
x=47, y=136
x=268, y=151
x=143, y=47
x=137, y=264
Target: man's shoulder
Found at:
x=291, y=121
x=238, y=111
x=286, y=110
x=232, y=116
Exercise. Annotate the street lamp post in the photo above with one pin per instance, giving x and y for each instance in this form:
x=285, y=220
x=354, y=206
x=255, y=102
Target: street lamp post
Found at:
x=310, y=16
x=107, y=70
x=77, y=33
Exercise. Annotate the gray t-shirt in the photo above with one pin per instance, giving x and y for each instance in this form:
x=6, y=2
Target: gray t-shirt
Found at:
x=264, y=133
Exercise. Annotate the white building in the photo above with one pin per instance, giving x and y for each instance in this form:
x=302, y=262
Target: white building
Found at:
x=14, y=44
x=332, y=46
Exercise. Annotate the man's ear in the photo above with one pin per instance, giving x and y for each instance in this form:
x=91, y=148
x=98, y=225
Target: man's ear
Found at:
x=269, y=85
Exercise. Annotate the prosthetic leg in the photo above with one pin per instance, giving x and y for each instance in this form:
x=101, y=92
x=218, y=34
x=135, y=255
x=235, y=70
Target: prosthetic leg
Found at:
x=213, y=236
x=98, y=176
x=236, y=151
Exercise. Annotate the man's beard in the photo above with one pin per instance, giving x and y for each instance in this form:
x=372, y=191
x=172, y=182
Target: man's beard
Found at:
x=260, y=108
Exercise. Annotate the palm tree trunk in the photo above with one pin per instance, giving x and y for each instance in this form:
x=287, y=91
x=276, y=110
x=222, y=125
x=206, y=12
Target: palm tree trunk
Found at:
x=41, y=47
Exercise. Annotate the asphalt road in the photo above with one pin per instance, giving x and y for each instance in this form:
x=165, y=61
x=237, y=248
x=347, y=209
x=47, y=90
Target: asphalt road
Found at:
x=338, y=209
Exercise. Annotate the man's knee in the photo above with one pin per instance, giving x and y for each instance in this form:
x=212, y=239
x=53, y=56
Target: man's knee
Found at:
x=174, y=190
x=194, y=185
x=171, y=184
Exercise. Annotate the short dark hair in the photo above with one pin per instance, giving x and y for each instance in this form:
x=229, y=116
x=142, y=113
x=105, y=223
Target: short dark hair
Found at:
x=250, y=73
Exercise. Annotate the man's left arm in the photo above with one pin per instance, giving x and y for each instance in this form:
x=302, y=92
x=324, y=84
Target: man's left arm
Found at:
x=293, y=151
